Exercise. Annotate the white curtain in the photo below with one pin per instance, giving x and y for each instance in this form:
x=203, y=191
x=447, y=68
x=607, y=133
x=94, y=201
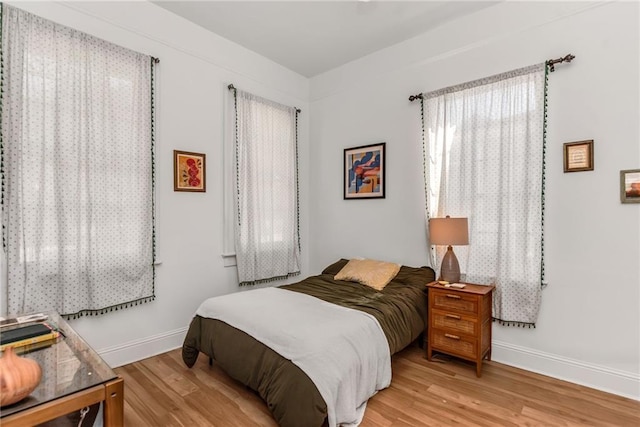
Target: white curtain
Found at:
x=266, y=236
x=78, y=176
x=484, y=143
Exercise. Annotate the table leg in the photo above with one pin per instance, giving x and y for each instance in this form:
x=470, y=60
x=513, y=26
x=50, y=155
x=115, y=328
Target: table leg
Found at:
x=114, y=403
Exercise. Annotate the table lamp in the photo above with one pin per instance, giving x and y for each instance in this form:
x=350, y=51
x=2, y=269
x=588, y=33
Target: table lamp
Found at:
x=449, y=231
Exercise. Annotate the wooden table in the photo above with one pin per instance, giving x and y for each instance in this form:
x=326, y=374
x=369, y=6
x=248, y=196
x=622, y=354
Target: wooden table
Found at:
x=73, y=377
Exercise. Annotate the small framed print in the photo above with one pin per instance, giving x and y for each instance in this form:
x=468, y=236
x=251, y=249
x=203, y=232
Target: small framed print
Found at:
x=189, y=171
x=578, y=156
x=630, y=186
x=364, y=168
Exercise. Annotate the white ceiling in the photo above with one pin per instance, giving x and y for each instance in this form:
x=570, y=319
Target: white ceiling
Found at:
x=311, y=37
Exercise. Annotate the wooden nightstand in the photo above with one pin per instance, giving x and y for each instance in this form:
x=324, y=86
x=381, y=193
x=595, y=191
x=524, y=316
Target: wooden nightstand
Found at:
x=460, y=322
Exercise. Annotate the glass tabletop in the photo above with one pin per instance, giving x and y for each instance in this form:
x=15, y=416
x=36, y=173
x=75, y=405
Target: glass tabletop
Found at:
x=68, y=366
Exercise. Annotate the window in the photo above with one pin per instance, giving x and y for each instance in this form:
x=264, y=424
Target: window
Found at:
x=265, y=184
x=78, y=160
x=484, y=148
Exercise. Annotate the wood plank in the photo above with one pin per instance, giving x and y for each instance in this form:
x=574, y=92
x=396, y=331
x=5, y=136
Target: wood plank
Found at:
x=133, y=418
x=150, y=401
x=163, y=391
x=170, y=376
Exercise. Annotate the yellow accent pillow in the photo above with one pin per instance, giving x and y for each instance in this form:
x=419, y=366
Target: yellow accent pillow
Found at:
x=376, y=274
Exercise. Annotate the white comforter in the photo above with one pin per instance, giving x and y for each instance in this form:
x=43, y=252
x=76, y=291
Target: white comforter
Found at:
x=343, y=351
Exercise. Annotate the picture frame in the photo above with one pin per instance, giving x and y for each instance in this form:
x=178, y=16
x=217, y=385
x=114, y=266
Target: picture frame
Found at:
x=364, y=172
x=189, y=171
x=630, y=186
x=578, y=156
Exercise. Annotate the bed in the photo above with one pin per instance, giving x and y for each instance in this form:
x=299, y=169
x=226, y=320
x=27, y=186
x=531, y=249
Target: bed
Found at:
x=291, y=396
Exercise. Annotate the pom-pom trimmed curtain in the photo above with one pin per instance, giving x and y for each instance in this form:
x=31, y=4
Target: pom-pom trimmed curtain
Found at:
x=267, y=242
x=77, y=158
x=484, y=145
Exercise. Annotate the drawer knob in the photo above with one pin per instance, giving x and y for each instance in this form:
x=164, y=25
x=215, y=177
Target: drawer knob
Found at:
x=453, y=337
x=453, y=296
x=452, y=316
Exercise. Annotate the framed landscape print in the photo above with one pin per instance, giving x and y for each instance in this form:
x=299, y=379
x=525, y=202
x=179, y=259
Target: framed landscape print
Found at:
x=630, y=186
x=364, y=176
x=189, y=171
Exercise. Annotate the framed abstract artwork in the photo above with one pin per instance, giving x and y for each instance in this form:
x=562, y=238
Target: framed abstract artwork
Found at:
x=189, y=171
x=630, y=186
x=364, y=176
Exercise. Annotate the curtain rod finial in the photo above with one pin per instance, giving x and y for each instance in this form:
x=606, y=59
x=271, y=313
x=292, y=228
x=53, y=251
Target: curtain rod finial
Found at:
x=552, y=62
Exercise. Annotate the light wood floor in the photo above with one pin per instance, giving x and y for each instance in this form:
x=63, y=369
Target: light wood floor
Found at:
x=161, y=391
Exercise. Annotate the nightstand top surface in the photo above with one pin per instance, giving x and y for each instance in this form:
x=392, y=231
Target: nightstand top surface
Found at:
x=470, y=288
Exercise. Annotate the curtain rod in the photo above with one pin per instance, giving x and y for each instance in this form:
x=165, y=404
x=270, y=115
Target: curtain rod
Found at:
x=550, y=63
x=155, y=60
x=233, y=88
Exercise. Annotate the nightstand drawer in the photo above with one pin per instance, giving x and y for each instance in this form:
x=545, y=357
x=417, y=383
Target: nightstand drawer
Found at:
x=455, y=323
x=454, y=301
x=458, y=345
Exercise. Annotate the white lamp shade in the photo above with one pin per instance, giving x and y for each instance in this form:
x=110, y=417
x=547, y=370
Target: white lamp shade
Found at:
x=449, y=231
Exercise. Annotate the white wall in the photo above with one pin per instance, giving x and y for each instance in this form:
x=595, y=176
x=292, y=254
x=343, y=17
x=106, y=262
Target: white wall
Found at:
x=195, y=68
x=589, y=325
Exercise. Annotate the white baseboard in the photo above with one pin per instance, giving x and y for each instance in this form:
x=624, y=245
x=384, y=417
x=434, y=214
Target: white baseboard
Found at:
x=614, y=381
x=141, y=349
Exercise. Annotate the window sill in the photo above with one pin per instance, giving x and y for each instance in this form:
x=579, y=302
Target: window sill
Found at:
x=229, y=260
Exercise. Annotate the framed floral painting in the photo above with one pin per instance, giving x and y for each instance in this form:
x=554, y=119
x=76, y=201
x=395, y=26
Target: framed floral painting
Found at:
x=189, y=171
